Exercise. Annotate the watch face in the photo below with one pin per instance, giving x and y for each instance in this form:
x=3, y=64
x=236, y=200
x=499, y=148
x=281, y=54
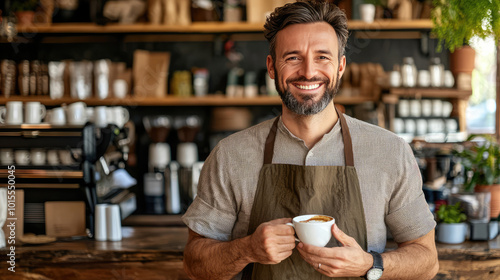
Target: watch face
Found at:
x=374, y=274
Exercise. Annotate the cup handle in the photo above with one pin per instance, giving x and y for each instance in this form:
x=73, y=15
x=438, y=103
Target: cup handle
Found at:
x=290, y=224
x=126, y=115
x=43, y=111
x=3, y=111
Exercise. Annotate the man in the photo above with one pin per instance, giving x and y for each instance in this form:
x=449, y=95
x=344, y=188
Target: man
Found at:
x=310, y=160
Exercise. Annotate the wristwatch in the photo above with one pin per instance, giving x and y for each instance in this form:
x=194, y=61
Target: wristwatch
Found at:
x=375, y=272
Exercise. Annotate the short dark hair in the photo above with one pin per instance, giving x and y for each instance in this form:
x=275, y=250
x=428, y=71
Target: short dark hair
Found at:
x=306, y=12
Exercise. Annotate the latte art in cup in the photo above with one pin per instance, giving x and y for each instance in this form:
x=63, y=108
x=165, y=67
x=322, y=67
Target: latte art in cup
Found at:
x=315, y=229
x=318, y=219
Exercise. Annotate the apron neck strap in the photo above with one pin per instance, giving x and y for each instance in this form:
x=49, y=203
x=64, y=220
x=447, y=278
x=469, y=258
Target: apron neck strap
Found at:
x=346, y=136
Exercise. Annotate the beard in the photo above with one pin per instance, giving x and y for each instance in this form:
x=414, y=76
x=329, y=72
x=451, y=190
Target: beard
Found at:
x=308, y=106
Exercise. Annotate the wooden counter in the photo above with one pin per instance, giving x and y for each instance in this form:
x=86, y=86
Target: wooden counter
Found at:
x=144, y=253
x=156, y=253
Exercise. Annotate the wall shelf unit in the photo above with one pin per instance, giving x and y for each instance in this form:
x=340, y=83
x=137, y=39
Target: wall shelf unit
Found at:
x=210, y=100
x=207, y=27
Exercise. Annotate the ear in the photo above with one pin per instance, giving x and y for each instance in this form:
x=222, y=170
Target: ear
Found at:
x=270, y=66
x=342, y=66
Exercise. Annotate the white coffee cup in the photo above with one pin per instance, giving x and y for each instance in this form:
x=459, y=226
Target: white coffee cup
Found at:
x=38, y=156
x=424, y=78
x=421, y=127
x=317, y=233
x=436, y=126
x=22, y=157
x=120, y=88
x=404, y=108
x=426, y=107
x=415, y=108
x=12, y=113
x=118, y=115
x=446, y=108
x=451, y=125
x=77, y=113
x=399, y=125
x=65, y=157
x=187, y=154
x=53, y=157
x=34, y=112
x=437, y=108
x=57, y=116
x=410, y=126
x=100, y=116
x=6, y=156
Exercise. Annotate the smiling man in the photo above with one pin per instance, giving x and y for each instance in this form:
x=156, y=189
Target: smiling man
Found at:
x=310, y=160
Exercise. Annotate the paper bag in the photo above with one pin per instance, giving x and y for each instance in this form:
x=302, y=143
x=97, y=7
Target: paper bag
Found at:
x=150, y=73
x=64, y=218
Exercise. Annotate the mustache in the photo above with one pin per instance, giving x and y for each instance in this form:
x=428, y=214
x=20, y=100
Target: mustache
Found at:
x=304, y=79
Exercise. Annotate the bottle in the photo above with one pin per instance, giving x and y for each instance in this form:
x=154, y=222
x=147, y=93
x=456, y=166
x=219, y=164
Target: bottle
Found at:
x=408, y=73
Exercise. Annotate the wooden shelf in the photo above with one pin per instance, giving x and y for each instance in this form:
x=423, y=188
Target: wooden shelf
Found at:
x=43, y=174
x=206, y=27
x=210, y=100
x=431, y=93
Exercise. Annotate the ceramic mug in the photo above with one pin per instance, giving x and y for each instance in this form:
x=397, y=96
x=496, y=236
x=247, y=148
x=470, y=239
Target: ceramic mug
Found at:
x=77, y=113
x=404, y=108
x=118, y=115
x=12, y=113
x=22, y=157
x=53, y=157
x=57, y=116
x=100, y=116
x=313, y=229
x=38, y=156
x=34, y=112
x=6, y=156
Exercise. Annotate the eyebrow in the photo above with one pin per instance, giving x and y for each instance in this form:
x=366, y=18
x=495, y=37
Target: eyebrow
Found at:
x=298, y=52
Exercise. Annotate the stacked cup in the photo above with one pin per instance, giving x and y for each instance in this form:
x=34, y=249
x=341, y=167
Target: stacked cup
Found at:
x=108, y=222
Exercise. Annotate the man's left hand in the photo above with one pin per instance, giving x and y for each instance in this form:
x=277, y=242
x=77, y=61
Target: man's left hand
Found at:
x=350, y=260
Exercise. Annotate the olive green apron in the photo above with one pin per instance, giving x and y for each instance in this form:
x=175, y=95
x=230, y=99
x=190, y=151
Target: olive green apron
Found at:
x=286, y=190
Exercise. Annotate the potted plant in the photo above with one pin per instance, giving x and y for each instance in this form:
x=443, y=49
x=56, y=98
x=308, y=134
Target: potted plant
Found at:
x=24, y=10
x=481, y=162
x=451, y=228
x=455, y=22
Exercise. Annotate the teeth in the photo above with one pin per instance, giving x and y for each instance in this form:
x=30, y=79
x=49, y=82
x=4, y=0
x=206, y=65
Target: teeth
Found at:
x=309, y=87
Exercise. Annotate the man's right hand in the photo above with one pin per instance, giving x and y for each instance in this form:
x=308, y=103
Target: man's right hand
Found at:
x=272, y=241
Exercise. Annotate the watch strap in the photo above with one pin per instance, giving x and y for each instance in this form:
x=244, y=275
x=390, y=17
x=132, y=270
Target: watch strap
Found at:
x=377, y=260
x=378, y=263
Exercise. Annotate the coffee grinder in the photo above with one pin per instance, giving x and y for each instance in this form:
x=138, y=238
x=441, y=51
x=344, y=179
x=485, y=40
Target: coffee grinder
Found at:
x=161, y=189
x=187, y=157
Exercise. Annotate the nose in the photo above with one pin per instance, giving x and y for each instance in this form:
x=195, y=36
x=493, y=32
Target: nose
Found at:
x=308, y=68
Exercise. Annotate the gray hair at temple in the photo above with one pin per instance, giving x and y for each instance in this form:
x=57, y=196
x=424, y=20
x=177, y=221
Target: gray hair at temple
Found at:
x=306, y=12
